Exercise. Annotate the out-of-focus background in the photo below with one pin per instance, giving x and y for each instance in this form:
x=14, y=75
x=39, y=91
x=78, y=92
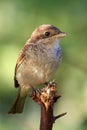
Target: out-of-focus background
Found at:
x=18, y=18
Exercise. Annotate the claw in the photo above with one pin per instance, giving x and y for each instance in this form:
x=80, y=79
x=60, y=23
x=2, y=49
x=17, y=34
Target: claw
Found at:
x=35, y=91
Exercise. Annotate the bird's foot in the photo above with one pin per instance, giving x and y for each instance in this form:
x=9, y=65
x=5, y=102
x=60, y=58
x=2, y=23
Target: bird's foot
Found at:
x=51, y=83
x=35, y=92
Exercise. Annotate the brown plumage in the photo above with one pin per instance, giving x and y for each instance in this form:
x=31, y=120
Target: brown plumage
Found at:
x=37, y=62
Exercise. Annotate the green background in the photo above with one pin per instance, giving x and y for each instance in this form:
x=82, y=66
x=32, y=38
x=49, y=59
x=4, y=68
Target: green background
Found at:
x=18, y=18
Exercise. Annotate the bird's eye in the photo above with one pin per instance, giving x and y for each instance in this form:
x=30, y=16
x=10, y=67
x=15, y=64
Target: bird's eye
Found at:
x=47, y=34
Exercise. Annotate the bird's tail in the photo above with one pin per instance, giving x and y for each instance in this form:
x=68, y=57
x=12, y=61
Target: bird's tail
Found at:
x=18, y=105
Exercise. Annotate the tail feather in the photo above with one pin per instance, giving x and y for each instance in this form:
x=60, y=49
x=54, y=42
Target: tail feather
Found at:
x=18, y=105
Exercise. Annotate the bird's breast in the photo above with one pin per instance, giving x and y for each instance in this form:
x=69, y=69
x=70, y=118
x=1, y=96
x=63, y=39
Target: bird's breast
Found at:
x=39, y=66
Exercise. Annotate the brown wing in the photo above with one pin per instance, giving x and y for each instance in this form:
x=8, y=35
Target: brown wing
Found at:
x=21, y=58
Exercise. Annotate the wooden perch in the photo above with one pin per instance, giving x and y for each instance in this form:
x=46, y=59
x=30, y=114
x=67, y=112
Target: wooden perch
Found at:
x=46, y=99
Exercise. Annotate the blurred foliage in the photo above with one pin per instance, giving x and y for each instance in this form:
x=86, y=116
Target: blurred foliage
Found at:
x=18, y=18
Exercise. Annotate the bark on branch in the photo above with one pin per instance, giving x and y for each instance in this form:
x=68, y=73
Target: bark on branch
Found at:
x=46, y=99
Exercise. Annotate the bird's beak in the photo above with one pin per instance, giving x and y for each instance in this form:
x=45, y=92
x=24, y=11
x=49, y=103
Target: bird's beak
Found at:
x=61, y=35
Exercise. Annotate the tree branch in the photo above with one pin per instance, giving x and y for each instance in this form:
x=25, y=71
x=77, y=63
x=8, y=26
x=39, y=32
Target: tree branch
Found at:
x=46, y=99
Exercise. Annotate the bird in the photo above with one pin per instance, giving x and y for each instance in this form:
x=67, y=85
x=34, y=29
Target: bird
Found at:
x=37, y=62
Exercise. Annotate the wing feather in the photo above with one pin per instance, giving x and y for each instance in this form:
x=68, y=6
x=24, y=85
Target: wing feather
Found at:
x=21, y=58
